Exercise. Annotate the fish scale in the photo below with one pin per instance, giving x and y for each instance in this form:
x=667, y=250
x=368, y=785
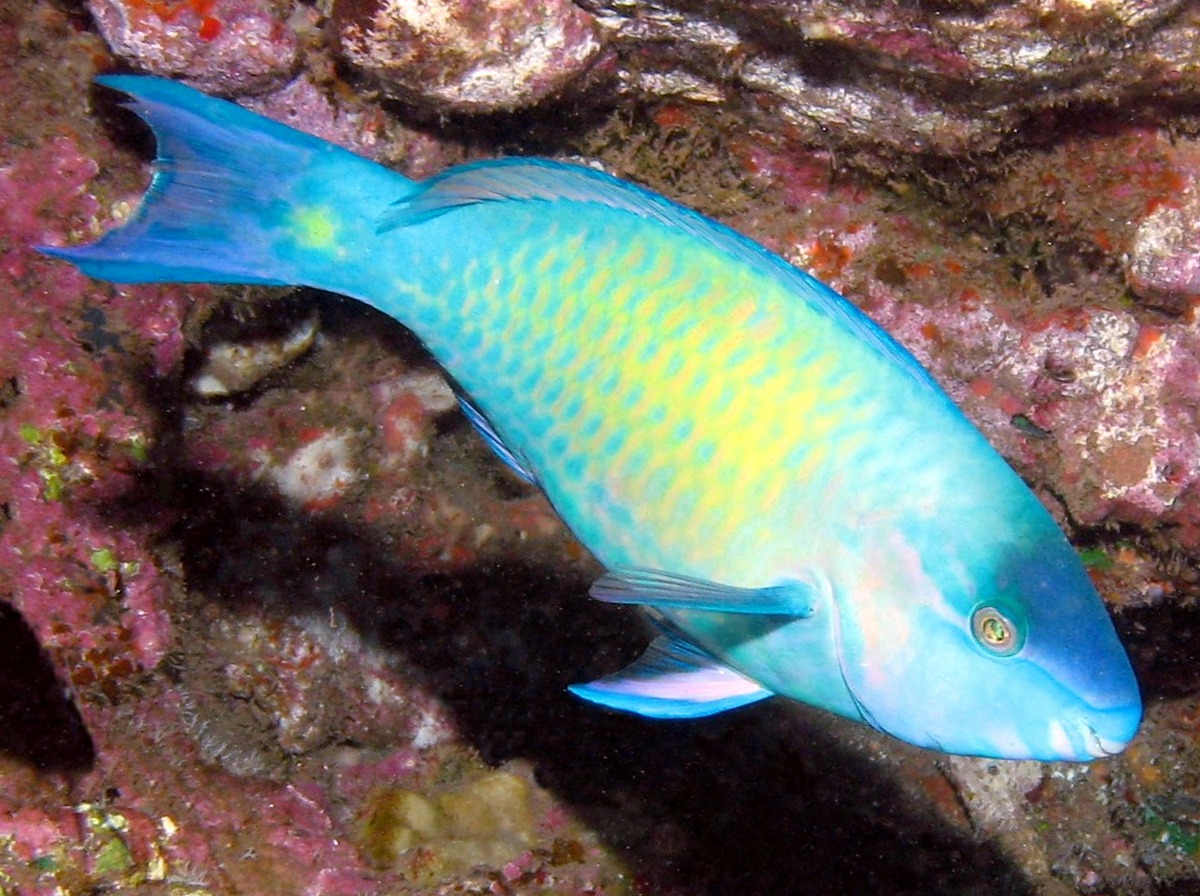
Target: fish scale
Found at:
x=792, y=498
x=615, y=341
x=632, y=493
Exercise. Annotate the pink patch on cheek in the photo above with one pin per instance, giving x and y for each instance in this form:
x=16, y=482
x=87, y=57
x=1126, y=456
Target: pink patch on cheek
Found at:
x=892, y=595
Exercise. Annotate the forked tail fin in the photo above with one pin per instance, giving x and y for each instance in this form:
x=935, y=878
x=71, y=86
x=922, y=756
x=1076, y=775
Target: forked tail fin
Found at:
x=235, y=198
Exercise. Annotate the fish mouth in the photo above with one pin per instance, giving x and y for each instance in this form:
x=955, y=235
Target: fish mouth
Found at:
x=1094, y=744
x=1099, y=745
x=1103, y=733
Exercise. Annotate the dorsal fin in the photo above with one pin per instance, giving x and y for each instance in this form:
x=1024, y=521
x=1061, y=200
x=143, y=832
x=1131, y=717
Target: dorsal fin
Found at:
x=502, y=180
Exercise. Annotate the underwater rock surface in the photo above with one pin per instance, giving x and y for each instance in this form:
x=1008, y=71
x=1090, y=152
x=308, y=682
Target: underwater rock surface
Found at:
x=309, y=636
x=466, y=56
x=913, y=77
x=892, y=80
x=221, y=46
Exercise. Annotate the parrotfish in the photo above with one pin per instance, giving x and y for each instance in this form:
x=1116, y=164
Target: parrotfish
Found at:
x=798, y=506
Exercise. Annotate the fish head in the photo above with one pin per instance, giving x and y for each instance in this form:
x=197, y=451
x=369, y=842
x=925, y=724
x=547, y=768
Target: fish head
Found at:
x=1014, y=657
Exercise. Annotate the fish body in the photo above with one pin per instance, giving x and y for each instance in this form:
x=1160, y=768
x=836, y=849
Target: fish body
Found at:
x=796, y=502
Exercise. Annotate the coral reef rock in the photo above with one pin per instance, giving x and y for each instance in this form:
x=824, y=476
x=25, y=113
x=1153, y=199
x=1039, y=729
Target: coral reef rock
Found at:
x=461, y=55
x=223, y=46
x=947, y=78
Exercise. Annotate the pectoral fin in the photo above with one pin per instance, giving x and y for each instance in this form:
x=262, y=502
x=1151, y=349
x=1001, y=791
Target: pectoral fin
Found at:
x=665, y=590
x=673, y=679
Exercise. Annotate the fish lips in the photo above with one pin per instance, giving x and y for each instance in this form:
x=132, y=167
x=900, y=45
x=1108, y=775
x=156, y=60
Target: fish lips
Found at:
x=1107, y=712
x=1104, y=733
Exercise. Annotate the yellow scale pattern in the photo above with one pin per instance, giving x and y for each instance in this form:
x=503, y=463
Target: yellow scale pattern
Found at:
x=690, y=399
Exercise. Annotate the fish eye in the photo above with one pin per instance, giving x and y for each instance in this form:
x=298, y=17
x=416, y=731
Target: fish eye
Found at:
x=995, y=632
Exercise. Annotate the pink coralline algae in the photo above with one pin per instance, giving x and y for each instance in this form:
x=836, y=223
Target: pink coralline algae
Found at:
x=1163, y=261
x=223, y=46
x=300, y=103
x=147, y=822
x=460, y=55
x=72, y=439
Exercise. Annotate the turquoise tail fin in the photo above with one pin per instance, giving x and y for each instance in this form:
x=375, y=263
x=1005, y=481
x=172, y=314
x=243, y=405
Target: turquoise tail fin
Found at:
x=235, y=198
